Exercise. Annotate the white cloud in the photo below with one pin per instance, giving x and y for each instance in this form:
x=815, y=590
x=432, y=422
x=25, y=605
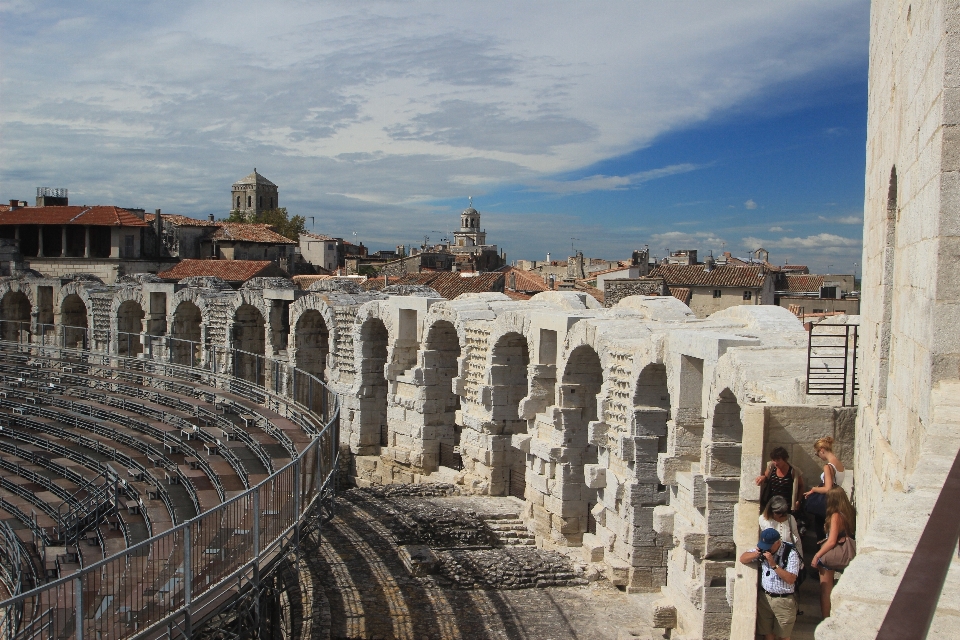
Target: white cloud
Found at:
x=821, y=241
x=842, y=219
x=776, y=229
x=166, y=104
x=750, y=204
x=609, y=183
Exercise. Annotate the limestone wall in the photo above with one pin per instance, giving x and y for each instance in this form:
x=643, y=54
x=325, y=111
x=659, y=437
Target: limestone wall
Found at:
x=631, y=434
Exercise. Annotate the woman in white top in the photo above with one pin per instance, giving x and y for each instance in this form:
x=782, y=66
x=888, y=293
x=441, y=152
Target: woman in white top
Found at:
x=834, y=473
x=777, y=516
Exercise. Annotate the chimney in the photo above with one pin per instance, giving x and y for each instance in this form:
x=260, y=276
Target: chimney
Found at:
x=14, y=204
x=158, y=228
x=709, y=263
x=211, y=215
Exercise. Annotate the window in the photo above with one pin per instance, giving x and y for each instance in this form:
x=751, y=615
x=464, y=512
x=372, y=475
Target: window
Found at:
x=747, y=295
x=128, y=246
x=717, y=293
x=249, y=201
x=238, y=202
x=260, y=201
x=283, y=250
x=329, y=247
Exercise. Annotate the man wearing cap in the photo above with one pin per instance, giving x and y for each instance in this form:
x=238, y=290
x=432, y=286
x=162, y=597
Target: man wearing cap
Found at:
x=776, y=603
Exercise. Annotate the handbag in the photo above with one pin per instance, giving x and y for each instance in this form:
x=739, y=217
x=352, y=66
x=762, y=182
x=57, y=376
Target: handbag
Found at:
x=816, y=504
x=841, y=555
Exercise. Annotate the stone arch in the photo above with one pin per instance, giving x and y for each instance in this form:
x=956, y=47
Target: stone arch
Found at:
x=580, y=384
x=15, y=312
x=248, y=338
x=440, y=357
x=313, y=304
x=651, y=405
x=374, y=354
x=129, y=319
x=509, y=369
x=186, y=336
x=722, y=452
x=312, y=343
x=74, y=321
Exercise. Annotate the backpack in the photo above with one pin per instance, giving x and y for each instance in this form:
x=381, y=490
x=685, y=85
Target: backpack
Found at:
x=785, y=558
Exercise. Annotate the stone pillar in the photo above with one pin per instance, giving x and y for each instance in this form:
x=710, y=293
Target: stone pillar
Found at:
x=63, y=241
x=16, y=232
x=114, y=242
x=86, y=241
x=40, y=241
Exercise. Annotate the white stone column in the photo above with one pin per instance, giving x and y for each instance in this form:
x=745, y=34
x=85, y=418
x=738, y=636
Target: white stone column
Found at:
x=86, y=241
x=40, y=241
x=63, y=241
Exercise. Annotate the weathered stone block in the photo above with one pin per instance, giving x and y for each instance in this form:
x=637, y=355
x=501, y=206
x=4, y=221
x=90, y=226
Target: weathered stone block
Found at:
x=595, y=476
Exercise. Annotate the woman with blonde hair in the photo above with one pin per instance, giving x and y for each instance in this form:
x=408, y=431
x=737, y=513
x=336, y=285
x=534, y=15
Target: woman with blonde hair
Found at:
x=840, y=547
x=834, y=473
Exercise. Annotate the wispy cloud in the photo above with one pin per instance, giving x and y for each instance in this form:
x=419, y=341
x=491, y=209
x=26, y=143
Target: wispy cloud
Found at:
x=821, y=241
x=750, y=204
x=609, y=183
x=842, y=219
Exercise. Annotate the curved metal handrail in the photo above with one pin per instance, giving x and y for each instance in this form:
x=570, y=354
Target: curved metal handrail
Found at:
x=180, y=574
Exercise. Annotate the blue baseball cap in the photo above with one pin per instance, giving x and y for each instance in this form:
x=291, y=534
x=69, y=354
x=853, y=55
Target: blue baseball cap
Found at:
x=768, y=537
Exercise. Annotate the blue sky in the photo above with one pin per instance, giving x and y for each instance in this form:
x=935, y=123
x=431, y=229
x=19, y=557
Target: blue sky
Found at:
x=621, y=124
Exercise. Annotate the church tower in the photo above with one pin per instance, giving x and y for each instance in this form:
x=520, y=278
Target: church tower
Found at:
x=253, y=195
x=470, y=234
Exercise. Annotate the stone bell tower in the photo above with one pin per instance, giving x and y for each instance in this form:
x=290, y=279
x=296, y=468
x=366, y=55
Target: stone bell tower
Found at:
x=253, y=194
x=470, y=234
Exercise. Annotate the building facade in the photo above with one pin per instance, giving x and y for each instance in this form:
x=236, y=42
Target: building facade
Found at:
x=254, y=194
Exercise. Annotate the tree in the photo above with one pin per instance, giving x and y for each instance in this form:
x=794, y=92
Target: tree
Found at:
x=279, y=219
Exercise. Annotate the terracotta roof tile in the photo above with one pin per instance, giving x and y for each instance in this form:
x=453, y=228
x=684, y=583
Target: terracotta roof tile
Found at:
x=249, y=232
x=520, y=280
x=228, y=270
x=804, y=283
x=450, y=285
x=516, y=295
x=106, y=216
x=681, y=293
x=685, y=275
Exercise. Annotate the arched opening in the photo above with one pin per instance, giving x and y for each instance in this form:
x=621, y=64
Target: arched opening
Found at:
x=722, y=466
x=129, y=325
x=373, y=389
x=185, y=336
x=579, y=386
x=651, y=405
x=15, y=313
x=249, y=343
x=510, y=360
x=441, y=350
x=312, y=344
x=73, y=320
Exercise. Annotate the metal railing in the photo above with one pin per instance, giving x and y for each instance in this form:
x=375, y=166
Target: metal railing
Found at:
x=832, y=361
x=177, y=577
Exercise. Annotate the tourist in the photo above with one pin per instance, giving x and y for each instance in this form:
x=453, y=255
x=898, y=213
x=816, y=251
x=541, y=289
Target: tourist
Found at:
x=834, y=473
x=840, y=547
x=776, y=602
x=777, y=516
x=781, y=479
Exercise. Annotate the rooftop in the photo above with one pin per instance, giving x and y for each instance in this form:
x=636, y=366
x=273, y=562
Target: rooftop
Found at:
x=804, y=283
x=99, y=215
x=181, y=221
x=685, y=275
x=254, y=178
x=248, y=232
x=228, y=270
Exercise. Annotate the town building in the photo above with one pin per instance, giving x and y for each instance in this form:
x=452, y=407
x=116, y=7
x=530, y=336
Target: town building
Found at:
x=709, y=289
x=233, y=272
x=253, y=195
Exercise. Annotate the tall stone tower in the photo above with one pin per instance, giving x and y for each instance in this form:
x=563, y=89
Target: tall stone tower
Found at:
x=470, y=234
x=253, y=194
x=908, y=428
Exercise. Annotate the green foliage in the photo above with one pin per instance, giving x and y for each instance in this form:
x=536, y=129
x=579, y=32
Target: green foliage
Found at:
x=367, y=270
x=279, y=219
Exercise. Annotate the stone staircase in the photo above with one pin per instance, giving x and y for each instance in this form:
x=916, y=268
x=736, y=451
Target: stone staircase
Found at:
x=510, y=530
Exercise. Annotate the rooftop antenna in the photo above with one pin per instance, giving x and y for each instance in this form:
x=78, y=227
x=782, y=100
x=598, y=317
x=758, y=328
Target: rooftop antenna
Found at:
x=313, y=222
x=572, y=240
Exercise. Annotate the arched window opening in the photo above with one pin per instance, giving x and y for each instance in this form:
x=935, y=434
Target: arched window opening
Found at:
x=185, y=334
x=15, y=311
x=129, y=325
x=312, y=344
x=373, y=409
x=510, y=360
x=73, y=320
x=441, y=351
x=249, y=343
